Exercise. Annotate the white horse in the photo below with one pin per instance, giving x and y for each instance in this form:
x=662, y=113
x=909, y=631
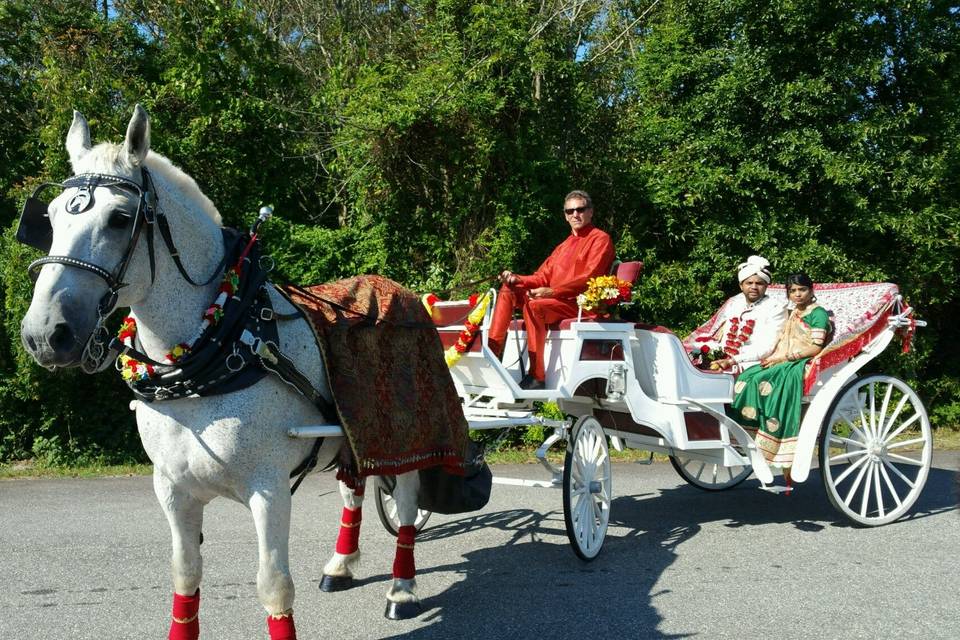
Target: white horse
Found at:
x=233, y=445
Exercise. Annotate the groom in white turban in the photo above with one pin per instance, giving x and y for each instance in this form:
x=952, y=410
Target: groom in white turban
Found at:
x=751, y=321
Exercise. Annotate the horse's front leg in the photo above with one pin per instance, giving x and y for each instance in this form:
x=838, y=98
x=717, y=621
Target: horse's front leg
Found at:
x=270, y=506
x=402, y=601
x=338, y=572
x=185, y=515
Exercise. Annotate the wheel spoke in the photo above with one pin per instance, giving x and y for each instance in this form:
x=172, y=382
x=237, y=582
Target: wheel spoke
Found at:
x=904, y=459
x=595, y=449
x=894, y=416
x=856, y=485
x=601, y=458
x=703, y=465
x=893, y=491
x=882, y=418
x=906, y=443
x=853, y=467
x=865, y=500
x=909, y=482
x=873, y=410
x=876, y=489
x=851, y=454
x=903, y=426
x=847, y=441
x=855, y=428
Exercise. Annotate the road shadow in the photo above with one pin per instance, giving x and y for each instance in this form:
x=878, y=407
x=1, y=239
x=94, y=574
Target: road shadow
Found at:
x=531, y=588
x=527, y=587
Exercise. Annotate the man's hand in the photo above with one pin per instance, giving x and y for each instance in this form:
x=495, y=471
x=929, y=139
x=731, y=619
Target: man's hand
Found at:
x=722, y=364
x=540, y=292
x=508, y=277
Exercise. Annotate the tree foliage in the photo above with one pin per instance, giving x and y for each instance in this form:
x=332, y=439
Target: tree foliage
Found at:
x=432, y=141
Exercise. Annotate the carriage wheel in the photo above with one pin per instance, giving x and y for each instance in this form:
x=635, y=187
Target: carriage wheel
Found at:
x=709, y=476
x=586, y=488
x=875, y=449
x=387, y=507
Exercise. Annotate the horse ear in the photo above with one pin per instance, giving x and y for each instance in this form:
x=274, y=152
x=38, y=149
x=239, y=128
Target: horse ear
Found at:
x=137, y=142
x=78, y=138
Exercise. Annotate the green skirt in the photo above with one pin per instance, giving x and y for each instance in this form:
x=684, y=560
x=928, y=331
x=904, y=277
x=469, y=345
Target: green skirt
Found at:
x=769, y=400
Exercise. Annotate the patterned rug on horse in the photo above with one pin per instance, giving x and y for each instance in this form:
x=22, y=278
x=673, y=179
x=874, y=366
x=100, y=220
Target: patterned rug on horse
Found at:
x=393, y=392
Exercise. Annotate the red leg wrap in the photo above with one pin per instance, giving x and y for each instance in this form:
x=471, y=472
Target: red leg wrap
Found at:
x=348, y=540
x=403, y=566
x=282, y=628
x=186, y=621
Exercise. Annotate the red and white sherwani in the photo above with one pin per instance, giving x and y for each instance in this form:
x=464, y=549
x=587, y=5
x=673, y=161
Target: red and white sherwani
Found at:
x=748, y=331
x=583, y=255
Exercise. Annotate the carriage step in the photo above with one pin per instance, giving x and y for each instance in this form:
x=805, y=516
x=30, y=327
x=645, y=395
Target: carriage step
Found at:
x=776, y=489
x=555, y=482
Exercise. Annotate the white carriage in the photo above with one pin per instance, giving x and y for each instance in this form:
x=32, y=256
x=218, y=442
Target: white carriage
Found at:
x=634, y=386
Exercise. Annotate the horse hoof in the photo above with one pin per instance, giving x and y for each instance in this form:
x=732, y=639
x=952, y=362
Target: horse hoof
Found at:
x=329, y=584
x=402, y=610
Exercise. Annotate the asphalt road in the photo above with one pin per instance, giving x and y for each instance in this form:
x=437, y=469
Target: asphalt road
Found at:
x=89, y=559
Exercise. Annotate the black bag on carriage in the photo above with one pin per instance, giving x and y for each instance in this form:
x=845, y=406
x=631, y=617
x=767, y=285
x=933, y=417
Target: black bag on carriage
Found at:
x=447, y=493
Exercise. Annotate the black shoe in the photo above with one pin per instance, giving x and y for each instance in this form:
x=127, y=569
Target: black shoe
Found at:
x=529, y=383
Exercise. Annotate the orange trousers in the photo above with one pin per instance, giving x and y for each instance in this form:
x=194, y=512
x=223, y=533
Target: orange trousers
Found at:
x=537, y=316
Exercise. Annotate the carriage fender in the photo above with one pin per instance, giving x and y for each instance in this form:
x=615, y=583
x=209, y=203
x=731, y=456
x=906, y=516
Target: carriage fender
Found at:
x=823, y=401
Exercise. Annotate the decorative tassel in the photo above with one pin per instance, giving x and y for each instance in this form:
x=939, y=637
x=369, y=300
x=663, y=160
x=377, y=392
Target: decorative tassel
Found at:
x=186, y=613
x=281, y=627
x=348, y=540
x=403, y=566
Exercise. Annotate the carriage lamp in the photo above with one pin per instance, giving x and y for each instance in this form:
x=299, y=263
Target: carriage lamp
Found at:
x=617, y=382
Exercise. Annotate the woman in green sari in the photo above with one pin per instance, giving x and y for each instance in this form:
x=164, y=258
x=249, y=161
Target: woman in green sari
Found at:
x=768, y=395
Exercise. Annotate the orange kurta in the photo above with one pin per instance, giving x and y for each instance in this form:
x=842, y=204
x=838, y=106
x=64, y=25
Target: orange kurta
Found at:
x=575, y=260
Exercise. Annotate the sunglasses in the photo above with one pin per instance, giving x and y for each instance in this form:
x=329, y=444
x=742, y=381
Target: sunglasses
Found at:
x=570, y=212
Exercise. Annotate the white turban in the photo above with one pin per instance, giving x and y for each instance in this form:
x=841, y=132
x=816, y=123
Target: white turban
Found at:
x=754, y=266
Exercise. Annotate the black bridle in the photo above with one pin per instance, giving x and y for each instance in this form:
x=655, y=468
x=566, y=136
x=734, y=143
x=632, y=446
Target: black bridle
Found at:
x=35, y=230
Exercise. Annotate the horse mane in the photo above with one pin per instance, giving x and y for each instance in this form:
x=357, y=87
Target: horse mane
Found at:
x=107, y=157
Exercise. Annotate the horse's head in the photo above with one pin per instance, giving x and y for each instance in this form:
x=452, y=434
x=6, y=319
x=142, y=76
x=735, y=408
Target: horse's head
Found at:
x=93, y=231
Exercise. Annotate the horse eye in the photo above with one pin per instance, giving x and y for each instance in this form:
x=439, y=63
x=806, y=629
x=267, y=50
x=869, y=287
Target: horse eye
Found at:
x=118, y=220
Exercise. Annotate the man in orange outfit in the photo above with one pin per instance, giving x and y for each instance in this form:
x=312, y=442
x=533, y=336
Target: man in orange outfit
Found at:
x=549, y=295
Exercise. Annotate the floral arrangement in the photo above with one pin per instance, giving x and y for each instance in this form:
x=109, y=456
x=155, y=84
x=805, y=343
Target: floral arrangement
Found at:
x=453, y=354
x=604, y=294
x=704, y=356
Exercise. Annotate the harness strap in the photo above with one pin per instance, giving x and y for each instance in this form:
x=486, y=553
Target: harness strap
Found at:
x=164, y=228
x=274, y=361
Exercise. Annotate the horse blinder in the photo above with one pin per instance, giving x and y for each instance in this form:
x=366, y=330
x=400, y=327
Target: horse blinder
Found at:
x=34, y=229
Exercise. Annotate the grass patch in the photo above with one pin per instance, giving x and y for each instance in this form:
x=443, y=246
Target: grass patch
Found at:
x=28, y=469
x=943, y=440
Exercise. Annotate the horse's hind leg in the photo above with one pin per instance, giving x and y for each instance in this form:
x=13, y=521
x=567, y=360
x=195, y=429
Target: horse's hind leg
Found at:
x=402, y=601
x=185, y=515
x=270, y=507
x=338, y=572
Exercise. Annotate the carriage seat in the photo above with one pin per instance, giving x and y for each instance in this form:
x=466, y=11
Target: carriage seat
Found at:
x=858, y=314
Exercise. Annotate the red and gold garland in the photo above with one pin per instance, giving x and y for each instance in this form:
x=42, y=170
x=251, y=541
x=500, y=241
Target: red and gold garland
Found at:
x=737, y=335
x=479, y=303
